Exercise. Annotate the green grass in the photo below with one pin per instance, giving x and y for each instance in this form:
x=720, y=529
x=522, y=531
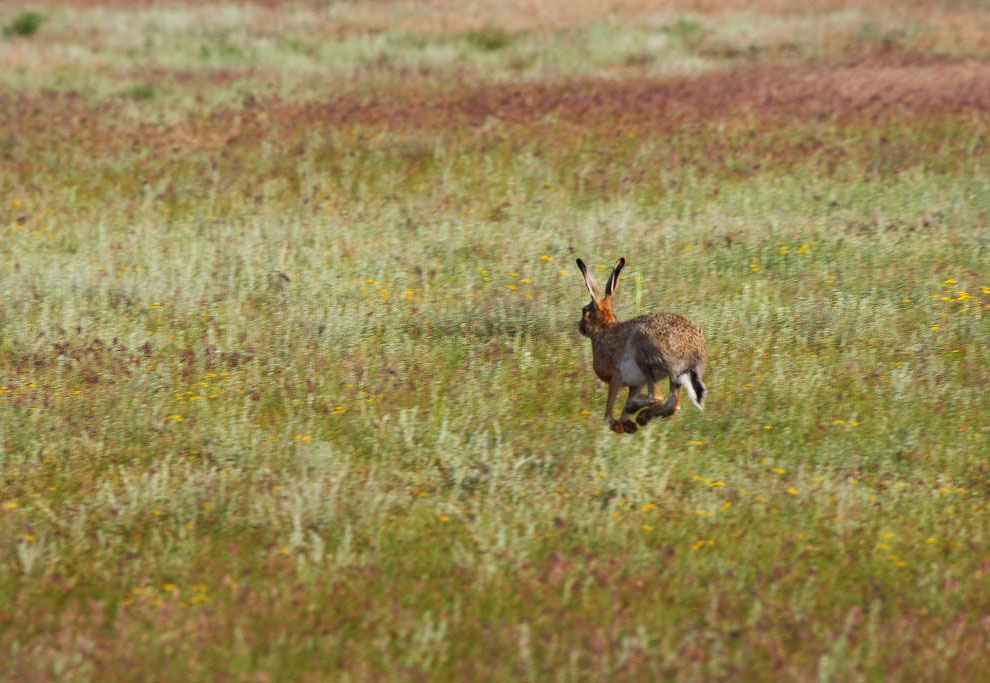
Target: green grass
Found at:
x=292, y=386
x=24, y=25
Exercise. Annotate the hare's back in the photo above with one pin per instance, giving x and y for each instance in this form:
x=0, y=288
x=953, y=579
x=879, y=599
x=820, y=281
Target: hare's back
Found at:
x=672, y=341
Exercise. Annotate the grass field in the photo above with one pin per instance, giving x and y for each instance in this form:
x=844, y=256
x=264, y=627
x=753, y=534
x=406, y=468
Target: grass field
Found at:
x=291, y=382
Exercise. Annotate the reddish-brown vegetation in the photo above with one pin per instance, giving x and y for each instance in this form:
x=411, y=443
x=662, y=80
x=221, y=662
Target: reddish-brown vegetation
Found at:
x=849, y=93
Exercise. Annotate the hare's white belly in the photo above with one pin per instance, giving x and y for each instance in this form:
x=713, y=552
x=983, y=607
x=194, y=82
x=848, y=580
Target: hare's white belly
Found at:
x=632, y=376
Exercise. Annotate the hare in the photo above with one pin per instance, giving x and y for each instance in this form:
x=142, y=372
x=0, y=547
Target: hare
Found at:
x=642, y=351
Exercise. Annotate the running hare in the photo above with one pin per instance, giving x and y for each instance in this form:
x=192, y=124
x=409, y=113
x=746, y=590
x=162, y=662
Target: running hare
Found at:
x=644, y=350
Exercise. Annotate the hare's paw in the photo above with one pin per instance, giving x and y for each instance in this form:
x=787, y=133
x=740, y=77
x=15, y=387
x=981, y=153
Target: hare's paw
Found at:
x=623, y=426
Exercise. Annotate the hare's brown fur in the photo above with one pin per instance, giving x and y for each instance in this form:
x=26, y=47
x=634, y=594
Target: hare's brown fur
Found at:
x=642, y=352
x=663, y=343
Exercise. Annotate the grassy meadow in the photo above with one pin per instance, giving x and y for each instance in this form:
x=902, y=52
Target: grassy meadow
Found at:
x=291, y=382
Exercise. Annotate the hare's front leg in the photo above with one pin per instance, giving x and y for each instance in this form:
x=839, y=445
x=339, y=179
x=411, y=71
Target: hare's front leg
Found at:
x=624, y=424
x=633, y=403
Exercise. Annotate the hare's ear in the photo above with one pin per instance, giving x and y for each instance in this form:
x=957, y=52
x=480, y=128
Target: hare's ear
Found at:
x=589, y=280
x=613, y=279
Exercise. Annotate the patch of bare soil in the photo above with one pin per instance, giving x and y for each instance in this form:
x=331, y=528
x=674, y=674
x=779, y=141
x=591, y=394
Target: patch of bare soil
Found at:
x=870, y=88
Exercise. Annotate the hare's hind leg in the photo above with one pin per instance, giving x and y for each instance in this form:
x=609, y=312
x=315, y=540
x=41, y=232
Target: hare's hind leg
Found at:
x=664, y=410
x=638, y=400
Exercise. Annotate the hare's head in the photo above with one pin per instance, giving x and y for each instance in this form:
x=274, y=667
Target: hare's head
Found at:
x=598, y=313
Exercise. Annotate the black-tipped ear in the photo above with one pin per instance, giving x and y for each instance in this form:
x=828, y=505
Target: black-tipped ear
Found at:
x=589, y=280
x=613, y=278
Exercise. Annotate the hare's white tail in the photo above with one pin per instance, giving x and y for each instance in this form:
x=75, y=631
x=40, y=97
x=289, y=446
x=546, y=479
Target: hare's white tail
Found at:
x=695, y=388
